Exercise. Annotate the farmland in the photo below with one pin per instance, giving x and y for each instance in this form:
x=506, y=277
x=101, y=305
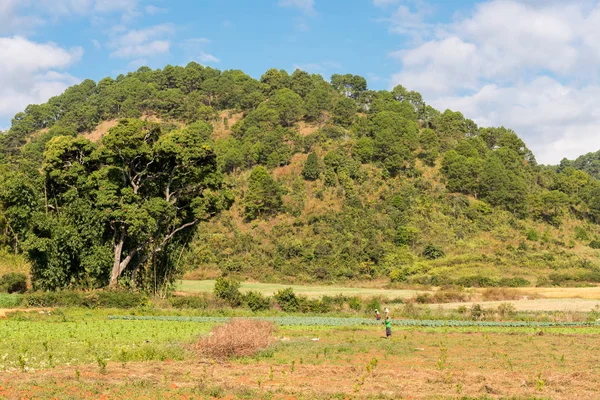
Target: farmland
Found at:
x=75, y=353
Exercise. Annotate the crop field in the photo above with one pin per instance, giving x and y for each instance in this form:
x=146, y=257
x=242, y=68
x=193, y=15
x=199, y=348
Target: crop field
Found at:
x=75, y=353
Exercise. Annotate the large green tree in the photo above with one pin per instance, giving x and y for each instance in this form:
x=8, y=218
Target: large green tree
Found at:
x=134, y=195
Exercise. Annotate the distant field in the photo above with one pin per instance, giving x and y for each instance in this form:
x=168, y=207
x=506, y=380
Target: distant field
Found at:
x=557, y=304
x=310, y=291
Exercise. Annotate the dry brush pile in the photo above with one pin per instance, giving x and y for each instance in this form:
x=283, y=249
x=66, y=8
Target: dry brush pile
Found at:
x=238, y=338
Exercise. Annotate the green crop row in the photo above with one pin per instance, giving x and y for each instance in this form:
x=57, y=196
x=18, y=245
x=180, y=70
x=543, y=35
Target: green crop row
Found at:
x=333, y=321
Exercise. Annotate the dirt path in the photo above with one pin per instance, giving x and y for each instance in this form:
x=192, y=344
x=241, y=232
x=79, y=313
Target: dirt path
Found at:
x=5, y=311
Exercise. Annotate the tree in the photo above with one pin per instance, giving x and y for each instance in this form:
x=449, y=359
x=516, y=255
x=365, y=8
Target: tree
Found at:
x=134, y=195
x=344, y=111
x=274, y=80
x=301, y=83
x=312, y=167
x=288, y=104
x=263, y=196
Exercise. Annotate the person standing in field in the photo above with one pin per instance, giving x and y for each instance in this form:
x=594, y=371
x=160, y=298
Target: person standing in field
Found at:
x=388, y=325
x=377, y=315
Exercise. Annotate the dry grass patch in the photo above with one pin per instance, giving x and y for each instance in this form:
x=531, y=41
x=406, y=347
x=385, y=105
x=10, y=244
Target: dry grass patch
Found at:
x=498, y=294
x=238, y=338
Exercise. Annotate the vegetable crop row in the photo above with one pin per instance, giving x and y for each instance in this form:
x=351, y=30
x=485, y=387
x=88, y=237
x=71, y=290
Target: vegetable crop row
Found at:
x=332, y=321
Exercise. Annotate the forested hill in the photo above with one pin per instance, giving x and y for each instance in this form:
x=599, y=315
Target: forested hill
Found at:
x=288, y=178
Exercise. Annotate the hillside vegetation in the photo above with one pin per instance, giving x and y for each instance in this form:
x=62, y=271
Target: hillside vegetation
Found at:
x=289, y=178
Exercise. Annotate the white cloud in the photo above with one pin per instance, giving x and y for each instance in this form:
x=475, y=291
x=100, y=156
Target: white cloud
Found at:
x=528, y=65
x=150, y=9
x=206, y=58
x=145, y=42
x=28, y=72
x=306, y=6
x=96, y=44
x=195, y=49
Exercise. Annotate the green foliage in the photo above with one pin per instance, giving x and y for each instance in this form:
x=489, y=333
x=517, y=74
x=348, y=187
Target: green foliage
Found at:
x=433, y=252
x=532, y=235
x=228, y=290
x=287, y=300
x=595, y=244
x=13, y=282
x=125, y=210
x=264, y=195
x=256, y=301
x=312, y=167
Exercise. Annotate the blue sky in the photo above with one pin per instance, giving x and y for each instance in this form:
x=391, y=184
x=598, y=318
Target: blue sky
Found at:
x=530, y=65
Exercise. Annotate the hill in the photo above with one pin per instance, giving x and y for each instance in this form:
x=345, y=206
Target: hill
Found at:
x=321, y=181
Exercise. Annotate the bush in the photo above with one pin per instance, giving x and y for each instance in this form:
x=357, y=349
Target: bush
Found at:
x=355, y=303
x=476, y=281
x=115, y=299
x=13, y=282
x=506, y=310
x=432, y=252
x=287, y=300
x=256, y=301
x=188, y=302
x=53, y=299
x=514, y=282
x=581, y=234
x=10, y=300
x=595, y=244
x=532, y=235
x=476, y=311
x=373, y=304
x=100, y=298
x=228, y=290
x=238, y=338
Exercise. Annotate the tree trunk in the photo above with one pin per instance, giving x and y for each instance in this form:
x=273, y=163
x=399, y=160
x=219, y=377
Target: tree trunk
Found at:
x=117, y=260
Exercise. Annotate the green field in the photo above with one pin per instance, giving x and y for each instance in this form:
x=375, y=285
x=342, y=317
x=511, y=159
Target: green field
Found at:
x=75, y=353
x=206, y=286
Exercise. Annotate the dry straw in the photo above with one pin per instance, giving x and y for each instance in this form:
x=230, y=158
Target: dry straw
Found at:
x=238, y=338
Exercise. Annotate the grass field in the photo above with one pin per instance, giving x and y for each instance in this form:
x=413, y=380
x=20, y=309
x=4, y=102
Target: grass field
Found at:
x=74, y=353
x=206, y=286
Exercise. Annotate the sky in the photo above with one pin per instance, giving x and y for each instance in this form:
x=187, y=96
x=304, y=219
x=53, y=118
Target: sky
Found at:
x=529, y=65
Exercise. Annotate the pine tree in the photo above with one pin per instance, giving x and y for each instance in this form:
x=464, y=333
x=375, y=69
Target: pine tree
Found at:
x=263, y=196
x=312, y=168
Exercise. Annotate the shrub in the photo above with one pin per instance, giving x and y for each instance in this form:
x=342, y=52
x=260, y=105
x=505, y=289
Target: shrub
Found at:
x=13, y=282
x=581, y=234
x=10, y=300
x=238, y=338
x=532, y=235
x=228, y=290
x=373, y=304
x=188, y=302
x=476, y=311
x=476, y=281
x=355, y=303
x=256, y=301
x=115, y=299
x=595, y=244
x=514, y=282
x=506, y=310
x=53, y=299
x=432, y=252
x=287, y=300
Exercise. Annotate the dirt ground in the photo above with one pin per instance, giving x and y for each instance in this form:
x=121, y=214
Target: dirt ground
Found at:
x=5, y=311
x=445, y=365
